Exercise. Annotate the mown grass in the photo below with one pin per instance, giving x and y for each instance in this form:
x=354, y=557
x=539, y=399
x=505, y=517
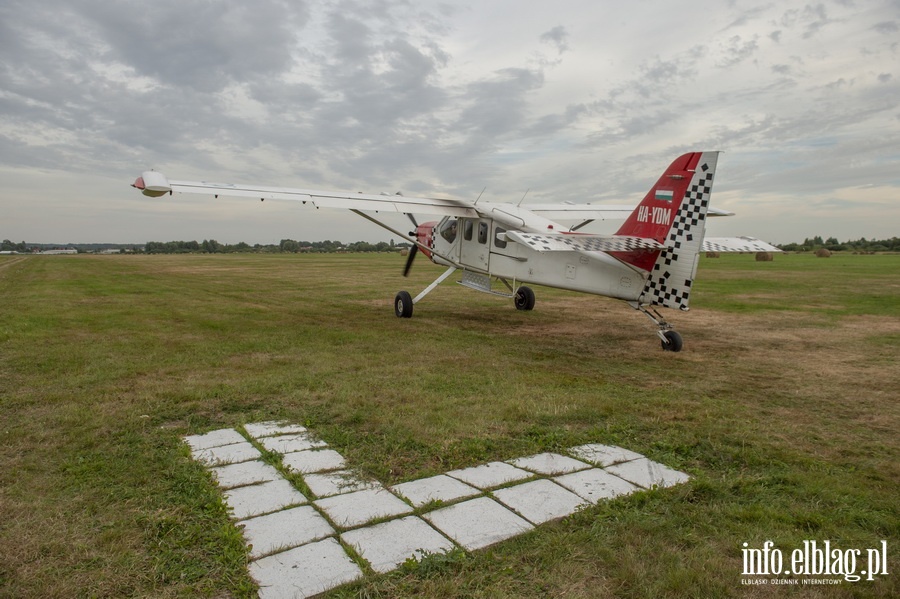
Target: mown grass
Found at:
x=783, y=407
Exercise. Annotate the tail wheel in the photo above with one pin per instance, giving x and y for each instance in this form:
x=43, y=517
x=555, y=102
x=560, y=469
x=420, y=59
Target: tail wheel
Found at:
x=673, y=341
x=403, y=305
x=524, y=298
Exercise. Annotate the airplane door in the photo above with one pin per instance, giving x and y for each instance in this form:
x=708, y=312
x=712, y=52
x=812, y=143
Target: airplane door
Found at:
x=475, y=248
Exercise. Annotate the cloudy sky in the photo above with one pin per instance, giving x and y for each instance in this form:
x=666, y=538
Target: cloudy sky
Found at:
x=571, y=100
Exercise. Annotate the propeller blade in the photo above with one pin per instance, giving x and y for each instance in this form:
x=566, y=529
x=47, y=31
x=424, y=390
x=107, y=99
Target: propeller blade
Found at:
x=409, y=260
x=413, y=219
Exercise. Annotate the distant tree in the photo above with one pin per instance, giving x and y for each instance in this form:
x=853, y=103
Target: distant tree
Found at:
x=289, y=245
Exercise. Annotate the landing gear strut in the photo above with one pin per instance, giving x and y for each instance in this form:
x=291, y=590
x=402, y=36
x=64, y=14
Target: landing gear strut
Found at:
x=671, y=340
x=403, y=301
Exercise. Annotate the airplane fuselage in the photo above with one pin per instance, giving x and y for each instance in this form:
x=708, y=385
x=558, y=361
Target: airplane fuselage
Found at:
x=479, y=245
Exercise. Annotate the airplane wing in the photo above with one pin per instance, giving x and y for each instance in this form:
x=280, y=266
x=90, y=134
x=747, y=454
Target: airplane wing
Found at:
x=559, y=242
x=595, y=211
x=736, y=244
x=155, y=184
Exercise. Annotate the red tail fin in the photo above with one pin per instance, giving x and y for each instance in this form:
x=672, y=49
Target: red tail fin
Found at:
x=673, y=213
x=654, y=216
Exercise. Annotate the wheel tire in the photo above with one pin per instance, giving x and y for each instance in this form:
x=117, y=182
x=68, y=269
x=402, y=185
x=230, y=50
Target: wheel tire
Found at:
x=524, y=298
x=403, y=305
x=673, y=341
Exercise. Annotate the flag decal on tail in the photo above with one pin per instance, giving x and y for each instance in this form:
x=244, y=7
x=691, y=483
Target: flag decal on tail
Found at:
x=665, y=195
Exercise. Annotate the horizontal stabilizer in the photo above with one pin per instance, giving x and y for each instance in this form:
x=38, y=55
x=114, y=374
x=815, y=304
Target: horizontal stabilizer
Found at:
x=736, y=244
x=559, y=242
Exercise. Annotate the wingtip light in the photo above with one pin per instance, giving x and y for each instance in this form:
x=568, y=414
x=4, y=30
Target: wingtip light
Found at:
x=152, y=184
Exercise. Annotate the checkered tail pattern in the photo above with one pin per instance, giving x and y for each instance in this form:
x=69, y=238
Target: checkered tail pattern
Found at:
x=669, y=282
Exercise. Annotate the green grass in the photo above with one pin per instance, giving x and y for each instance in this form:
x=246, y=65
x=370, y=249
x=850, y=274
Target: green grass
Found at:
x=783, y=407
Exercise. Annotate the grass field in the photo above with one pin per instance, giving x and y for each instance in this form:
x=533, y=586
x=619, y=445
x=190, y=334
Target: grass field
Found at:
x=783, y=407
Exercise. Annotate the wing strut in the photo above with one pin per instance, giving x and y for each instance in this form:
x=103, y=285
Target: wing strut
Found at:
x=406, y=237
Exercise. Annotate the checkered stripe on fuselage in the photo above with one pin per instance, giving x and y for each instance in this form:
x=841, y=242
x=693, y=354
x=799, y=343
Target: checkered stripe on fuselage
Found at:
x=669, y=283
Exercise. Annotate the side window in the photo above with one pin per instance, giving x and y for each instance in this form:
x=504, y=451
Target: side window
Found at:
x=468, y=227
x=499, y=240
x=448, y=230
x=482, y=232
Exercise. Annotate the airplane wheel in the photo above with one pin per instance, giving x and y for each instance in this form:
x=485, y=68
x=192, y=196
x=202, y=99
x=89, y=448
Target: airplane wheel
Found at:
x=673, y=341
x=403, y=305
x=524, y=298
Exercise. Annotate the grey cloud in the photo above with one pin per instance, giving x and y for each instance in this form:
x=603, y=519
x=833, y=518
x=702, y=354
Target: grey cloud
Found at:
x=199, y=45
x=735, y=51
x=558, y=37
x=886, y=27
x=812, y=18
x=497, y=106
x=781, y=69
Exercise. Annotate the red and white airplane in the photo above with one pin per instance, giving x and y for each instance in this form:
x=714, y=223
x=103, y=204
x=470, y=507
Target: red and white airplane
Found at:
x=650, y=261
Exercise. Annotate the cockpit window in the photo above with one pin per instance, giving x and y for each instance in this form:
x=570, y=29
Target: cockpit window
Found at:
x=500, y=238
x=448, y=230
x=468, y=227
x=482, y=232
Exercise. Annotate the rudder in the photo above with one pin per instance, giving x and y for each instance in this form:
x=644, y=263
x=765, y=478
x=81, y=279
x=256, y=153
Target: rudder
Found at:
x=687, y=184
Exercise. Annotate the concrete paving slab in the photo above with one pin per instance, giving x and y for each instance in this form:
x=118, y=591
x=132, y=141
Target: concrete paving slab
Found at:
x=435, y=488
x=595, y=484
x=549, y=464
x=540, y=501
x=647, y=473
x=263, y=498
x=387, y=545
x=354, y=509
x=284, y=530
x=227, y=454
x=225, y=436
x=603, y=455
x=291, y=443
x=313, y=460
x=245, y=473
x=490, y=475
x=477, y=523
x=271, y=428
x=336, y=483
x=304, y=571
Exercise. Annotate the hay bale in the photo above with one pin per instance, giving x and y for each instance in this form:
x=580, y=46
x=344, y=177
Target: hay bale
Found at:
x=764, y=257
x=404, y=252
x=823, y=253
x=712, y=254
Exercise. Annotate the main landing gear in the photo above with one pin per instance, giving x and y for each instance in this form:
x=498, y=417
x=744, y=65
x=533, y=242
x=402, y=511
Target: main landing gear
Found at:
x=403, y=305
x=671, y=340
x=523, y=297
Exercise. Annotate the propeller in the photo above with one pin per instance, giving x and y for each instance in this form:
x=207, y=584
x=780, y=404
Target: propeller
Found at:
x=413, y=250
x=409, y=260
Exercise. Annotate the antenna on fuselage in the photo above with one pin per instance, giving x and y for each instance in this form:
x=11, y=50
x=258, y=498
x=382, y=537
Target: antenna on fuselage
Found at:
x=480, y=194
x=523, y=197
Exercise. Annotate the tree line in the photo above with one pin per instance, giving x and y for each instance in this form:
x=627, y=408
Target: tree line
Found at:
x=291, y=246
x=832, y=244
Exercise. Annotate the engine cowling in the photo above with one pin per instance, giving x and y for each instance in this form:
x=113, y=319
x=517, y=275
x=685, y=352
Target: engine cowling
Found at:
x=425, y=236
